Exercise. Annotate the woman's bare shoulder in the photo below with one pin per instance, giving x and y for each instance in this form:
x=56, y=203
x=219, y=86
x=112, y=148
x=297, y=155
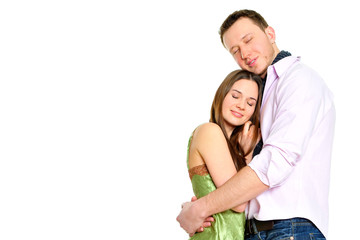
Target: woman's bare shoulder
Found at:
x=207, y=131
x=208, y=127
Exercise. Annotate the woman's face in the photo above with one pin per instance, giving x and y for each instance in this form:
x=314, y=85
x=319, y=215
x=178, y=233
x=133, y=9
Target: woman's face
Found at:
x=239, y=104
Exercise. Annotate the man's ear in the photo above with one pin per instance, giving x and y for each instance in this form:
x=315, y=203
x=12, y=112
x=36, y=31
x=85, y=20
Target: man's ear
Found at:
x=270, y=32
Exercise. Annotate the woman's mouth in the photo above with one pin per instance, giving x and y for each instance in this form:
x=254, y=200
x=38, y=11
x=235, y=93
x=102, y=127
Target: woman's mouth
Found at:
x=236, y=114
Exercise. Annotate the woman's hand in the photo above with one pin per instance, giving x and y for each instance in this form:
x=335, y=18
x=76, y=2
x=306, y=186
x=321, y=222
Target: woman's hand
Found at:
x=247, y=134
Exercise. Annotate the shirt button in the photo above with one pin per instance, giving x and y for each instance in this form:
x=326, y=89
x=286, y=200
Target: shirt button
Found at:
x=291, y=238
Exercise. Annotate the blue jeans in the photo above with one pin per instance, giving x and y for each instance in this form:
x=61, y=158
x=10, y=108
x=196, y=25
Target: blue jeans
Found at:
x=289, y=229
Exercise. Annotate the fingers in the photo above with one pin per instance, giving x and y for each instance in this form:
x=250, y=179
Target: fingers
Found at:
x=209, y=219
x=246, y=127
x=250, y=129
x=207, y=223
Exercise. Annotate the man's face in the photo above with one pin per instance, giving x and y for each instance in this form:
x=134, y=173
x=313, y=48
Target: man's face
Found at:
x=252, y=49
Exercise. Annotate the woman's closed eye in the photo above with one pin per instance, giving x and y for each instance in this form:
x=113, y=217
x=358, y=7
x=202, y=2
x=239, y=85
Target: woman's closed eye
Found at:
x=236, y=96
x=251, y=103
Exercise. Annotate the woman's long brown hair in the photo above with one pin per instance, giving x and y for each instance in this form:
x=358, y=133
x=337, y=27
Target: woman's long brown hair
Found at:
x=237, y=153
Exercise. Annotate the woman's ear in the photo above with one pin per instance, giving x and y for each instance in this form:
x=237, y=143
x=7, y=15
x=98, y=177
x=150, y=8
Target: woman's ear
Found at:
x=270, y=33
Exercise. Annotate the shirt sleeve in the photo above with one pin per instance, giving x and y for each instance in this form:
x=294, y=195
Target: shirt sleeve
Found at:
x=295, y=108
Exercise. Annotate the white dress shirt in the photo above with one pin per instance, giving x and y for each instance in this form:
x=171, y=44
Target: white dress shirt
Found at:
x=297, y=127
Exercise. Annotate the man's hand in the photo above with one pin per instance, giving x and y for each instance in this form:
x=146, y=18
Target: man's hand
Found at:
x=190, y=219
x=206, y=223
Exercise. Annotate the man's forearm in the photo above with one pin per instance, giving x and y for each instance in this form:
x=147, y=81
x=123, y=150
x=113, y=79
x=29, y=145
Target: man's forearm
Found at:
x=242, y=187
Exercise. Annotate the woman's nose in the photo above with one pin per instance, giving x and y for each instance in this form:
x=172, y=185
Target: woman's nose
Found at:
x=240, y=104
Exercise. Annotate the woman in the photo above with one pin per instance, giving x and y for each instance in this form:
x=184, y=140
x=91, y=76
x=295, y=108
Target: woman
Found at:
x=220, y=148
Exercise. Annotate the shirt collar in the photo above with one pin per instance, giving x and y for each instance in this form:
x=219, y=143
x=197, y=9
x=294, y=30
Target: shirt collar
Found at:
x=275, y=71
x=278, y=69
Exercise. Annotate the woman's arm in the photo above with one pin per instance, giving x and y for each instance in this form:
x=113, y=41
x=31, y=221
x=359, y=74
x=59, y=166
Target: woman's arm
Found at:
x=211, y=144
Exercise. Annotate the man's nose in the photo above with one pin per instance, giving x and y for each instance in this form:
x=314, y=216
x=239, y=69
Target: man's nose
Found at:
x=244, y=53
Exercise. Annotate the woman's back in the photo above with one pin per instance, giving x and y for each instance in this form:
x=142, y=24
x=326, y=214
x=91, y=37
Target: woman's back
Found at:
x=228, y=224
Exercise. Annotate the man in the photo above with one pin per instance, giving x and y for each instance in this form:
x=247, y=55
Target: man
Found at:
x=287, y=184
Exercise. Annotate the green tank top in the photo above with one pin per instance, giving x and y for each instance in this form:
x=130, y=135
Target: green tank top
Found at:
x=228, y=225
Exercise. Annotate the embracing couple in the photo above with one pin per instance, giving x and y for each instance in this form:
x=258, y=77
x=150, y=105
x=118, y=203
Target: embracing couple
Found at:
x=271, y=183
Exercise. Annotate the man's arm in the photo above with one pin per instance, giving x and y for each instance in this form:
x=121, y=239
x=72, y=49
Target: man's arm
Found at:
x=242, y=187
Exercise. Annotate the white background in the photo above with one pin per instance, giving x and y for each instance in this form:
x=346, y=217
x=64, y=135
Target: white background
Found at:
x=98, y=99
